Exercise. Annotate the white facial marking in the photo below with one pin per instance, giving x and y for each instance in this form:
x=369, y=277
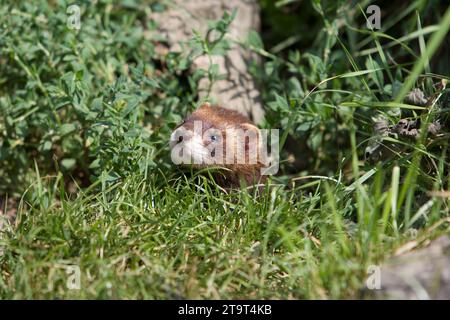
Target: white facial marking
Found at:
x=195, y=148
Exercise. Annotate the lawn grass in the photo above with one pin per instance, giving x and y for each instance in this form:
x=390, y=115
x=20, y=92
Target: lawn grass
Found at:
x=168, y=237
x=145, y=229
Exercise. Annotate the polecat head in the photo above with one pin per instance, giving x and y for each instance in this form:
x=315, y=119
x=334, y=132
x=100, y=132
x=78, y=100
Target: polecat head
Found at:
x=215, y=136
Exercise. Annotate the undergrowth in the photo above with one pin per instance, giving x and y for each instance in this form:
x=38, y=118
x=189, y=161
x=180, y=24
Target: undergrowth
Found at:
x=85, y=119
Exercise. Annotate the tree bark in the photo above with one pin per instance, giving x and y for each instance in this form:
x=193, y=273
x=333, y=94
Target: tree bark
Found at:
x=238, y=91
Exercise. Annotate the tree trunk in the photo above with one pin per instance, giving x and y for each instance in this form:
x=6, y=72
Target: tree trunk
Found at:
x=238, y=91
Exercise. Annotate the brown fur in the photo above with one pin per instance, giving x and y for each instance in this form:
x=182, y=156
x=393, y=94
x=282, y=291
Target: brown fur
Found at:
x=223, y=119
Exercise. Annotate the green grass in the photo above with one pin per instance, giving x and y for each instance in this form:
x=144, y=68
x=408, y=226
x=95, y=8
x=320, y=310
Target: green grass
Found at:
x=85, y=119
x=184, y=238
x=187, y=239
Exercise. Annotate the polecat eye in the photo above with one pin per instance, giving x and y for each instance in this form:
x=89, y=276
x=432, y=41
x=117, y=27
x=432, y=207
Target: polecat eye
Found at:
x=180, y=138
x=213, y=138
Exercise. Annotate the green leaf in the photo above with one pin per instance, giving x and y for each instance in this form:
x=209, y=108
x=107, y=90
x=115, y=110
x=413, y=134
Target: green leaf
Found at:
x=66, y=129
x=68, y=163
x=282, y=102
x=255, y=40
x=47, y=145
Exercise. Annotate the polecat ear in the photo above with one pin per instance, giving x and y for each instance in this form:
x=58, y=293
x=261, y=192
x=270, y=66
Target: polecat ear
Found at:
x=205, y=105
x=261, y=156
x=249, y=126
x=256, y=132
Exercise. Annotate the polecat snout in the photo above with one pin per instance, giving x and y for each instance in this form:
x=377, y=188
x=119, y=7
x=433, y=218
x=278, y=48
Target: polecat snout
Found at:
x=218, y=137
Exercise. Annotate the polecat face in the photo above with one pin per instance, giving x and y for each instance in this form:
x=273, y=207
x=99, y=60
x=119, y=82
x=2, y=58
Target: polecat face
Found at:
x=196, y=142
x=215, y=136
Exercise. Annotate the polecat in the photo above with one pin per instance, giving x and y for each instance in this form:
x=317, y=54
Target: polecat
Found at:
x=213, y=136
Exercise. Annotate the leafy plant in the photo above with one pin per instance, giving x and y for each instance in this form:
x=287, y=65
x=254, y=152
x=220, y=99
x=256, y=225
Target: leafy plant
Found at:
x=85, y=118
